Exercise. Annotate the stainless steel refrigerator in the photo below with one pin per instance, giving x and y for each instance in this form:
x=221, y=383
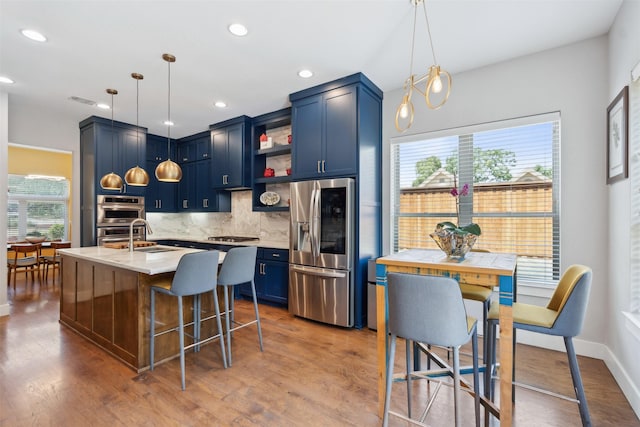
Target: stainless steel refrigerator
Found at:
x=321, y=250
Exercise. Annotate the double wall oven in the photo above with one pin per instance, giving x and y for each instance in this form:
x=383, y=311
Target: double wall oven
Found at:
x=321, y=250
x=114, y=214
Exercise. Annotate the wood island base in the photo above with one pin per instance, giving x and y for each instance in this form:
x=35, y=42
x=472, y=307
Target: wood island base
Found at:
x=110, y=306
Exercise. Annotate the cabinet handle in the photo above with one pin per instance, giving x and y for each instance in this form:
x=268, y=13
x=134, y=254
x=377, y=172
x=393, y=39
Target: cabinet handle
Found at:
x=262, y=268
x=205, y=203
x=275, y=255
x=159, y=204
x=318, y=167
x=323, y=167
x=185, y=203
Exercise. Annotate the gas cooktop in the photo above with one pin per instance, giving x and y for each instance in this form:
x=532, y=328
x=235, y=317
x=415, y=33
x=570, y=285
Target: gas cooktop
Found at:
x=233, y=238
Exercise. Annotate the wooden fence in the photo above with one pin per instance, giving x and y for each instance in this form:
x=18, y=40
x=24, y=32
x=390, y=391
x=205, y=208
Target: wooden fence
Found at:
x=514, y=217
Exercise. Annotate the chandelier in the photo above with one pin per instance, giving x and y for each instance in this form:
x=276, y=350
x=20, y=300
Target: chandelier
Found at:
x=432, y=79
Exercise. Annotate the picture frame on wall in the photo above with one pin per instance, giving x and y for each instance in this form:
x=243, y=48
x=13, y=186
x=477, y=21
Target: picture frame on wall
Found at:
x=618, y=137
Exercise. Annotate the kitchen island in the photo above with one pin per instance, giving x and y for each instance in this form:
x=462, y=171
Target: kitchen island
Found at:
x=105, y=298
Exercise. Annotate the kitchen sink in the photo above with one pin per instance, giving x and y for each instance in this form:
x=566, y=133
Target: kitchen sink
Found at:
x=155, y=249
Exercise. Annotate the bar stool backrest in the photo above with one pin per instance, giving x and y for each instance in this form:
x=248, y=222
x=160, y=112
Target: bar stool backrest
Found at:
x=428, y=309
x=196, y=273
x=238, y=266
x=570, y=300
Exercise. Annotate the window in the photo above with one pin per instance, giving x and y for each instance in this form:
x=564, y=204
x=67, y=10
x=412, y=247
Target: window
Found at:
x=37, y=206
x=512, y=169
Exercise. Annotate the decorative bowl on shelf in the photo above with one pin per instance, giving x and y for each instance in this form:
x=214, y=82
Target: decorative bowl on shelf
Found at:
x=35, y=239
x=269, y=198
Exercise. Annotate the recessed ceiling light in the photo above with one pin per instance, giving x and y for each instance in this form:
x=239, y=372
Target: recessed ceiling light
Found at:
x=34, y=35
x=238, y=30
x=220, y=104
x=168, y=123
x=103, y=106
x=305, y=74
x=6, y=80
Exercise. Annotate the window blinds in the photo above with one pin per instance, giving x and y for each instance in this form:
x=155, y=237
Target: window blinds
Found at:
x=512, y=169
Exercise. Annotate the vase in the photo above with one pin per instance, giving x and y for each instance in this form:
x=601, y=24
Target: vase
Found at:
x=454, y=245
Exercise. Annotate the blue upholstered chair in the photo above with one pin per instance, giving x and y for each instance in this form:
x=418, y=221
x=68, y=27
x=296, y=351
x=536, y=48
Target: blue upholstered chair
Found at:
x=238, y=268
x=429, y=310
x=563, y=316
x=196, y=274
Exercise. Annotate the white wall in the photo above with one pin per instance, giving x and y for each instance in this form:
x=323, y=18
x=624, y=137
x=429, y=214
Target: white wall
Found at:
x=624, y=347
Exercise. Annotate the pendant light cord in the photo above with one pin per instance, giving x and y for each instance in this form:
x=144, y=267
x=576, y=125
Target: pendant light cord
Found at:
x=433, y=52
x=112, y=132
x=169, y=113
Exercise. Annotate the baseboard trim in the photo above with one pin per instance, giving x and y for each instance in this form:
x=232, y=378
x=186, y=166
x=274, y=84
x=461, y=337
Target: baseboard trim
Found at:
x=4, y=310
x=589, y=349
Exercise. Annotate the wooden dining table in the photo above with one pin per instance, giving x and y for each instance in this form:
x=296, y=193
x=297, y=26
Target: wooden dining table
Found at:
x=477, y=268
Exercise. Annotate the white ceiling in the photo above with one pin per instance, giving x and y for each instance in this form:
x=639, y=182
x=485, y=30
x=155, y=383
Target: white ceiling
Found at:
x=95, y=45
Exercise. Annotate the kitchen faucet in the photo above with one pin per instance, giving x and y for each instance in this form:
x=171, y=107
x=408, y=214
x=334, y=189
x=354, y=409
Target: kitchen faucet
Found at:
x=131, y=231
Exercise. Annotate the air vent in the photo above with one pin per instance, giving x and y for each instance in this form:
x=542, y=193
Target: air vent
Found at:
x=82, y=100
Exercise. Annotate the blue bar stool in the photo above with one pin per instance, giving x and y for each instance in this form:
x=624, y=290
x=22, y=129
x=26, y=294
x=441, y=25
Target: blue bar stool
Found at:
x=238, y=267
x=196, y=274
x=430, y=311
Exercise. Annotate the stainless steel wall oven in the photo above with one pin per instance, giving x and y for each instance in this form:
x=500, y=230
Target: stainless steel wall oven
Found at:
x=114, y=214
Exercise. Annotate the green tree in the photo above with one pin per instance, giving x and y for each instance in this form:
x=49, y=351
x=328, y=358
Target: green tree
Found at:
x=543, y=171
x=425, y=168
x=488, y=165
x=492, y=165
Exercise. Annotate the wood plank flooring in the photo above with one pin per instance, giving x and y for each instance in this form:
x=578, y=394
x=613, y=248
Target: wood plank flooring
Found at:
x=309, y=374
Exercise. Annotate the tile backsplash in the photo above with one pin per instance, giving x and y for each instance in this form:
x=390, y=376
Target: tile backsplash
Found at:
x=241, y=221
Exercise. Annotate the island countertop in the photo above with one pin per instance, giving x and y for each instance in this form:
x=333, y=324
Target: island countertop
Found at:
x=139, y=261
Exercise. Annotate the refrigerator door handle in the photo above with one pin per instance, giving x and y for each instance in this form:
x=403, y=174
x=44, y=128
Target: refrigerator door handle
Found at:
x=315, y=220
x=334, y=274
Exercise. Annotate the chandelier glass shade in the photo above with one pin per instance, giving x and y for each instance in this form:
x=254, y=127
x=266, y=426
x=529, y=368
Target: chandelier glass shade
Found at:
x=169, y=171
x=137, y=176
x=437, y=82
x=112, y=180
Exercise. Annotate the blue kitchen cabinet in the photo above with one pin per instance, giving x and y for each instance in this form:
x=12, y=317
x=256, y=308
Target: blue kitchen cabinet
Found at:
x=159, y=196
x=196, y=193
x=326, y=126
x=230, y=152
x=195, y=147
x=325, y=134
x=105, y=148
x=157, y=150
x=271, y=277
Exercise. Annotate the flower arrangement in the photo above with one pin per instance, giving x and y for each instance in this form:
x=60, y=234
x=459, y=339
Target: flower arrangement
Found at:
x=453, y=239
x=469, y=228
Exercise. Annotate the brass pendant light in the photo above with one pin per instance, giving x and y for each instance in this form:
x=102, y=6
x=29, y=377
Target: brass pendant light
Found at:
x=436, y=80
x=111, y=181
x=137, y=176
x=169, y=171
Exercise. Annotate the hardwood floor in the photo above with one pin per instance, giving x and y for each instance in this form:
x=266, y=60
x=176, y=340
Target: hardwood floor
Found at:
x=309, y=374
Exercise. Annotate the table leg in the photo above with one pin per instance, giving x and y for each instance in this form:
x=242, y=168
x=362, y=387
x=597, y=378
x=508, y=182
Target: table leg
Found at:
x=506, y=364
x=381, y=324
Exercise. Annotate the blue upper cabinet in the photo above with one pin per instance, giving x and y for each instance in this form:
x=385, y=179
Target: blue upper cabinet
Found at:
x=326, y=126
x=195, y=147
x=159, y=196
x=158, y=149
x=105, y=148
x=230, y=152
